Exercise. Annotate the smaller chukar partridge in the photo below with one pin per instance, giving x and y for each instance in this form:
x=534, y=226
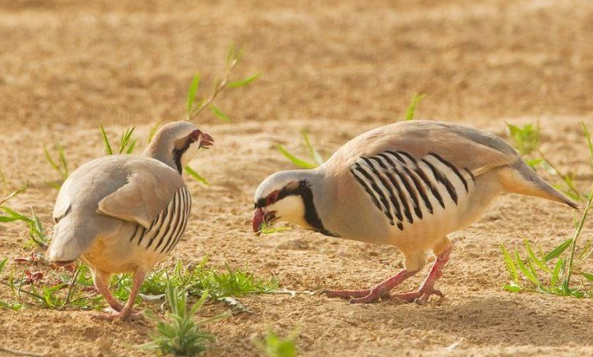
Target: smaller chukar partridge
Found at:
x=125, y=213
x=407, y=184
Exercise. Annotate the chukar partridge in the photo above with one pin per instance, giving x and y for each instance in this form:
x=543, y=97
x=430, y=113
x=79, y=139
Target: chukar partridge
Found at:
x=407, y=184
x=124, y=213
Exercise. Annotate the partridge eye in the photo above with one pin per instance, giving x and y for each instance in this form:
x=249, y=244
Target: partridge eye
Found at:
x=272, y=198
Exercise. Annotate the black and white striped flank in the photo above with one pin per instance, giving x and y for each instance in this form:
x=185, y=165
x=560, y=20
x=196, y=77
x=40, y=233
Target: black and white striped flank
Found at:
x=168, y=227
x=406, y=189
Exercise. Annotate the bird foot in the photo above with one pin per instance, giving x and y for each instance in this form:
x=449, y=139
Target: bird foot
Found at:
x=419, y=297
x=360, y=296
x=121, y=315
x=373, y=294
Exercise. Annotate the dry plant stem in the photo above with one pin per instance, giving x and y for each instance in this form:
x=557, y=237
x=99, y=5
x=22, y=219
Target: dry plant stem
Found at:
x=219, y=88
x=20, y=353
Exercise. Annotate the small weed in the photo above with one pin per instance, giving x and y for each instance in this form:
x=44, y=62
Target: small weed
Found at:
x=228, y=283
x=416, y=99
x=313, y=154
x=526, y=139
x=36, y=231
x=538, y=272
x=60, y=165
x=274, y=346
x=195, y=105
x=126, y=144
x=196, y=175
x=180, y=335
x=14, y=193
x=52, y=290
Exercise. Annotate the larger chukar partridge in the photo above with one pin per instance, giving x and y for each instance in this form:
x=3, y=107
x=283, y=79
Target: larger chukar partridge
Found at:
x=407, y=184
x=124, y=213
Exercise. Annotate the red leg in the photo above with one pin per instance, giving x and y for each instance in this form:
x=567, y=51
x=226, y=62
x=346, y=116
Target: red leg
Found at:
x=374, y=293
x=427, y=289
x=127, y=311
x=102, y=284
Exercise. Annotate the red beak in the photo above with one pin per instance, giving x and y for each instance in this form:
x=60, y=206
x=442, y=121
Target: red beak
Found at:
x=207, y=140
x=258, y=220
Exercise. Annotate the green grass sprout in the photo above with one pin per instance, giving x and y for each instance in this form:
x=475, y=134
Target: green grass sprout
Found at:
x=126, y=144
x=537, y=271
x=526, y=139
x=36, y=231
x=193, y=173
x=274, y=346
x=180, y=334
x=196, y=105
x=312, y=152
x=14, y=193
x=60, y=165
x=416, y=99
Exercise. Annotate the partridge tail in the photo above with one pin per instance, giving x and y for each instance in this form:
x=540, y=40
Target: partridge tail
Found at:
x=522, y=179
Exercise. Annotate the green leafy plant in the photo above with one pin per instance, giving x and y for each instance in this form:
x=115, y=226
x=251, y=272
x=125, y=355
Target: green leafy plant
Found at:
x=52, y=290
x=14, y=193
x=416, y=99
x=126, y=144
x=60, y=165
x=5, y=304
x=526, y=139
x=312, y=152
x=228, y=283
x=36, y=231
x=179, y=334
x=274, y=346
x=552, y=272
x=195, y=104
x=193, y=173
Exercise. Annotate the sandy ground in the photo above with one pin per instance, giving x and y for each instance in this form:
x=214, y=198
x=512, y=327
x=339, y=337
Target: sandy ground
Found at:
x=67, y=66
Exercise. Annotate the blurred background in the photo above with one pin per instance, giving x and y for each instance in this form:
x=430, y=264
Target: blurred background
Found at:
x=130, y=62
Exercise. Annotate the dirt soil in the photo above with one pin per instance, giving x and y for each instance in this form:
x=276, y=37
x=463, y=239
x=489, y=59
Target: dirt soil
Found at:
x=336, y=68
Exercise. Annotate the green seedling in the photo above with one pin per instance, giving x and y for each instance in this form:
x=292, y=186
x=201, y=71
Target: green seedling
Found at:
x=36, y=231
x=228, y=283
x=526, y=139
x=411, y=111
x=52, y=290
x=195, y=105
x=196, y=175
x=60, y=165
x=14, y=193
x=126, y=144
x=274, y=346
x=180, y=334
x=551, y=272
x=312, y=152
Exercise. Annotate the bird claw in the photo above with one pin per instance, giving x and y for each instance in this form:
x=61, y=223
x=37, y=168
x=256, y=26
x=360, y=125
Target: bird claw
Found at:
x=419, y=297
x=134, y=316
